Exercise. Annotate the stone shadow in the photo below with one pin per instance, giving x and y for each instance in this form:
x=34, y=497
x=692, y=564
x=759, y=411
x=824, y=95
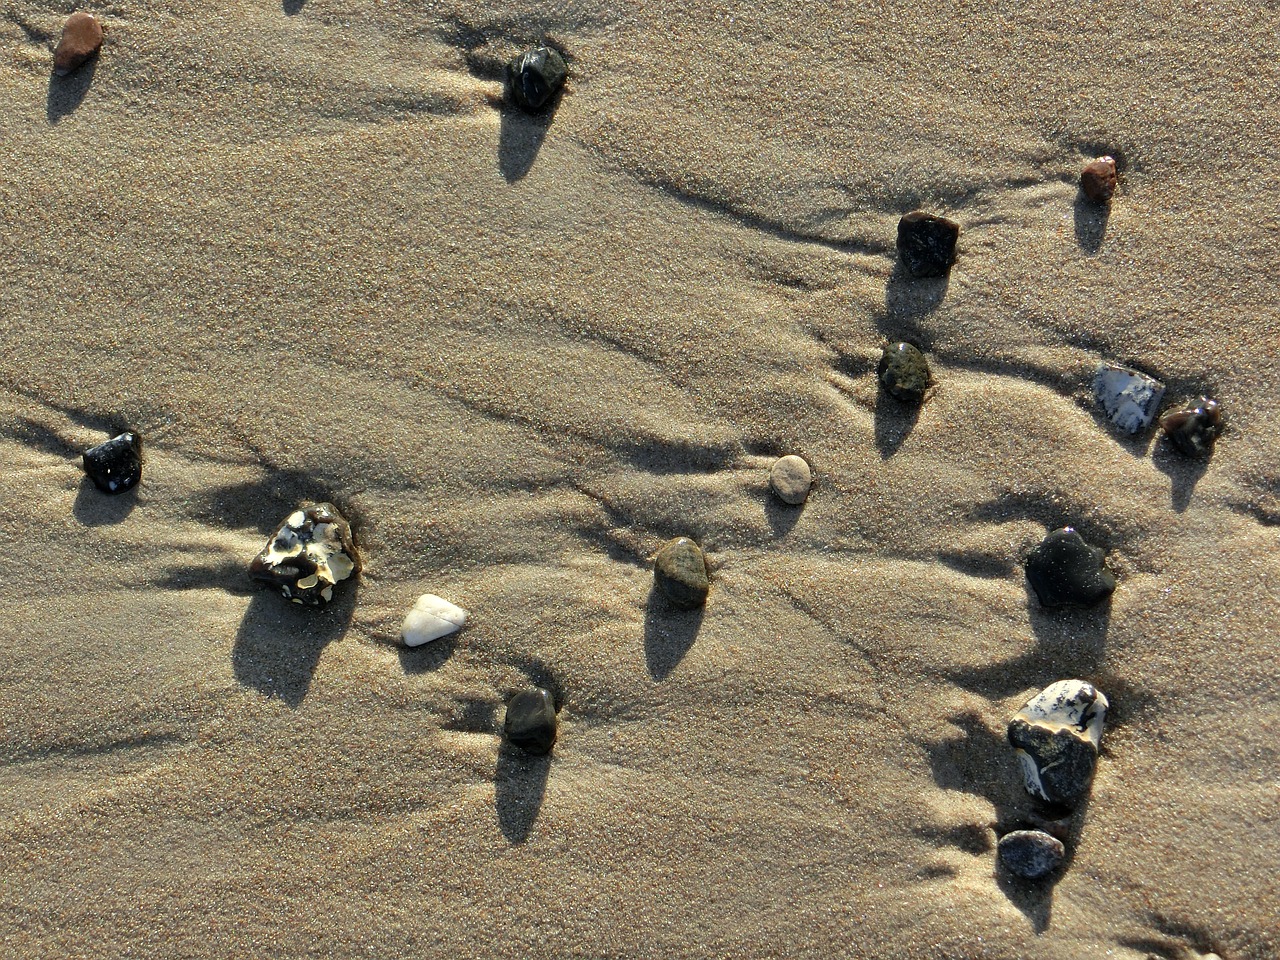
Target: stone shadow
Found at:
x=894, y=421
x=907, y=297
x=429, y=657
x=520, y=137
x=292, y=7
x=782, y=517
x=1183, y=472
x=1090, y=223
x=65, y=94
x=519, y=787
x=669, y=632
x=94, y=508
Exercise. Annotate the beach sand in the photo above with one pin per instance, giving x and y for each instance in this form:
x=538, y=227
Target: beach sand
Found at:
x=308, y=254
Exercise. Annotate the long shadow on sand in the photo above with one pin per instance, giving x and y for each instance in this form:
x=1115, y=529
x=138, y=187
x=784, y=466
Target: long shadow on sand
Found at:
x=782, y=517
x=94, y=508
x=669, y=632
x=894, y=421
x=279, y=643
x=520, y=137
x=519, y=786
x=1091, y=223
x=65, y=94
x=1183, y=472
x=429, y=657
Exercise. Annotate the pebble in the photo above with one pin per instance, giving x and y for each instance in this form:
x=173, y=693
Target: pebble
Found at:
x=1098, y=179
x=680, y=572
x=1056, y=736
x=904, y=372
x=1065, y=571
x=531, y=721
x=1194, y=430
x=116, y=465
x=430, y=619
x=308, y=555
x=536, y=76
x=1031, y=854
x=927, y=243
x=1129, y=398
x=791, y=479
x=81, y=38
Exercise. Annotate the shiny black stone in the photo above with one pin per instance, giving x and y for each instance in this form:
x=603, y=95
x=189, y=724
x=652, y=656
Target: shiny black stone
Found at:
x=1194, y=431
x=1065, y=571
x=904, y=372
x=535, y=77
x=531, y=721
x=116, y=465
x=927, y=243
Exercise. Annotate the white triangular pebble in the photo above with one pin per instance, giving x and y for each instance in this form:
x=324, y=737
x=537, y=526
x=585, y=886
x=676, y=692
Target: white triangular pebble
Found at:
x=430, y=619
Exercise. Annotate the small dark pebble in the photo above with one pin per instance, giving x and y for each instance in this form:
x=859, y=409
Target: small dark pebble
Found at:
x=680, y=572
x=116, y=465
x=1098, y=179
x=1031, y=854
x=536, y=76
x=1193, y=431
x=1065, y=571
x=531, y=721
x=904, y=372
x=927, y=243
x=81, y=39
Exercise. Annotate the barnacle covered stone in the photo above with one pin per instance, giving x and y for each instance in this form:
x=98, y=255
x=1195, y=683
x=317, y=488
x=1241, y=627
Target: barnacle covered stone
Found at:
x=1194, y=430
x=680, y=572
x=1098, y=179
x=535, y=77
x=904, y=372
x=1129, y=398
x=531, y=722
x=81, y=39
x=1066, y=571
x=927, y=243
x=308, y=555
x=1056, y=736
x=116, y=465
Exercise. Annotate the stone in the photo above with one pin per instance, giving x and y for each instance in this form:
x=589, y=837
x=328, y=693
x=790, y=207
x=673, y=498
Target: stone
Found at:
x=1129, y=398
x=1065, y=571
x=927, y=243
x=116, y=465
x=680, y=572
x=1098, y=179
x=535, y=77
x=430, y=619
x=531, y=722
x=791, y=479
x=310, y=553
x=1031, y=854
x=1194, y=430
x=81, y=39
x=1056, y=736
x=904, y=372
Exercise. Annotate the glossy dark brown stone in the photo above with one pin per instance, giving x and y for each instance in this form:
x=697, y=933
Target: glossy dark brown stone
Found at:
x=116, y=465
x=535, y=77
x=1194, y=430
x=1098, y=180
x=81, y=39
x=1065, y=571
x=531, y=722
x=927, y=243
x=904, y=372
x=680, y=572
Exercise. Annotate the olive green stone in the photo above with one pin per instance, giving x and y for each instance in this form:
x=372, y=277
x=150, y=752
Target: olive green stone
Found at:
x=904, y=372
x=536, y=76
x=680, y=572
x=1065, y=571
x=531, y=723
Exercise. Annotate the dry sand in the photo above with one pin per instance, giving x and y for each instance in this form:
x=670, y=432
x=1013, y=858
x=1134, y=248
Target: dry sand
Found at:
x=307, y=254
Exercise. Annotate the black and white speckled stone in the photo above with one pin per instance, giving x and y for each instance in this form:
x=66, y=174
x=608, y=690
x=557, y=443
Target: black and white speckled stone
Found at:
x=116, y=465
x=1031, y=854
x=531, y=722
x=1056, y=736
x=310, y=553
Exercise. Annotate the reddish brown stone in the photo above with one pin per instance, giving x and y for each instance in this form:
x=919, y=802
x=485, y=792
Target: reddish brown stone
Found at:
x=1098, y=181
x=81, y=38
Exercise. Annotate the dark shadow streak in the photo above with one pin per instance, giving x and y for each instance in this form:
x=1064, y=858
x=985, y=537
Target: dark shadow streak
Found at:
x=292, y=7
x=669, y=632
x=279, y=642
x=520, y=137
x=1074, y=639
x=94, y=508
x=894, y=421
x=1183, y=472
x=519, y=785
x=782, y=517
x=907, y=297
x=429, y=657
x=1091, y=223
x=66, y=93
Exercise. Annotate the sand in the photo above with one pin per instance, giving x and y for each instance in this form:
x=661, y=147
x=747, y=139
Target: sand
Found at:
x=307, y=254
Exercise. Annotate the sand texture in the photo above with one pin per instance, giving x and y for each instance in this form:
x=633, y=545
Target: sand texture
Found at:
x=309, y=255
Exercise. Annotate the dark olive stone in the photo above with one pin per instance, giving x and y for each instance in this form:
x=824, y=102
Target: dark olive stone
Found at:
x=1064, y=760
x=1193, y=431
x=535, y=77
x=1098, y=179
x=927, y=243
x=1065, y=571
x=309, y=554
x=531, y=721
x=116, y=465
x=680, y=571
x=1031, y=854
x=904, y=372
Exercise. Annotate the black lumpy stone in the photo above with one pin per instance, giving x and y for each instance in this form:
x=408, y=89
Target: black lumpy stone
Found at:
x=1064, y=571
x=535, y=77
x=116, y=465
x=927, y=243
x=531, y=721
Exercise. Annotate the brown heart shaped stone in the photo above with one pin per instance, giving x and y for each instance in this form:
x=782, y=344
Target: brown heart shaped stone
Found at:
x=81, y=38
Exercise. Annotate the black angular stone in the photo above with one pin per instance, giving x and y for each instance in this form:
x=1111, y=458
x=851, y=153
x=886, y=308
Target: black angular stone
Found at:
x=1193, y=431
x=927, y=243
x=1065, y=571
x=680, y=572
x=535, y=77
x=1031, y=854
x=904, y=372
x=1064, y=761
x=116, y=465
x=531, y=721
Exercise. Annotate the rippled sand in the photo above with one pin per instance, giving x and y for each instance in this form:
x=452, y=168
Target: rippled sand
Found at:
x=305, y=252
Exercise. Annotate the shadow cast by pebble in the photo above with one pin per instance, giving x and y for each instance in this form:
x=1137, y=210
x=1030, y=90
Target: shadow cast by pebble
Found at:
x=292, y=7
x=519, y=786
x=65, y=94
x=1073, y=639
x=94, y=508
x=669, y=632
x=1183, y=472
x=782, y=517
x=1091, y=223
x=279, y=643
x=520, y=137
x=429, y=657
x=907, y=297
x=894, y=421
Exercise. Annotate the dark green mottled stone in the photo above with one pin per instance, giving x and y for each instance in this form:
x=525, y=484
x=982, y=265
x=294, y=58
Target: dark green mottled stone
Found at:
x=1065, y=571
x=536, y=76
x=531, y=722
x=904, y=372
x=680, y=572
x=1193, y=431
x=1064, y=759
x=927, y=243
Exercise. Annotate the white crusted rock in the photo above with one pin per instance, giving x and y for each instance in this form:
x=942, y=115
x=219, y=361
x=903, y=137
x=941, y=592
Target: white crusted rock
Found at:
x=1056, y=736
x=308, y=555
x=430, y=619
x=1130, y=399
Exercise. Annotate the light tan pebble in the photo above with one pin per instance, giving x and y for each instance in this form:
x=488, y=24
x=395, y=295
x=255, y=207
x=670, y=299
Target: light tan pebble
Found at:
x=791, y=479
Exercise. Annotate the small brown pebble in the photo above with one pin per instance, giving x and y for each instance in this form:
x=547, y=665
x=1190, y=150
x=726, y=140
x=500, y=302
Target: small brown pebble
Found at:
x=1098, y=180
x=81, y=38
x=791, y=479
